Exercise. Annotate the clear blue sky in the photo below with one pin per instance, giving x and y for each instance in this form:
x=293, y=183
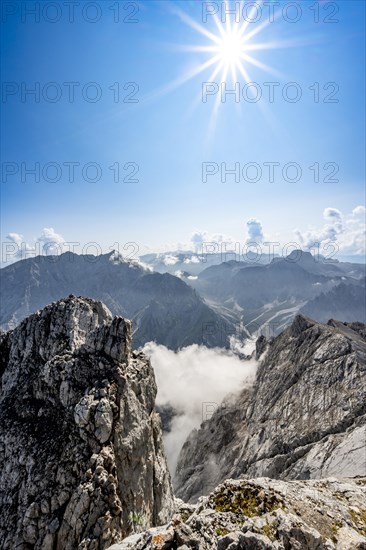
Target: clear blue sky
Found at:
x=169, y=138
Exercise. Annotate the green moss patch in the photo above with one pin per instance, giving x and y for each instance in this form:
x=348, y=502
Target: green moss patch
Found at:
x=249, y=500
x=221, y=532
x=359, y=519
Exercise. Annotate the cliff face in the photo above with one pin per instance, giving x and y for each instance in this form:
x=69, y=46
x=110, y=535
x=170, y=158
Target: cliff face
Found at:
x=304, y=418
x=81, y=457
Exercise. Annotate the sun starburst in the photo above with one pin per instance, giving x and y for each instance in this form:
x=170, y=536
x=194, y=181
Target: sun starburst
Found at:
x=232, y=49
x=230, y=46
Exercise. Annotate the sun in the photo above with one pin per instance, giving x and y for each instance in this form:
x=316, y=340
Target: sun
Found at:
x=229, y=46
x=230, y=49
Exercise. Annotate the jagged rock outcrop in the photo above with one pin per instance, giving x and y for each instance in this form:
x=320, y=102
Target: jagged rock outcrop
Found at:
x=81, y=457
x=304, y=418
x=265, y=514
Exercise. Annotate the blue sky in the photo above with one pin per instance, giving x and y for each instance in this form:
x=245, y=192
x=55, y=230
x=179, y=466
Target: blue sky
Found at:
x=169, y=133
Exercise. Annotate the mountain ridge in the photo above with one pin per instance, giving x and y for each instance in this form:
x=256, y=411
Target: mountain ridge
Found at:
x=127, y=288
x=307, y=404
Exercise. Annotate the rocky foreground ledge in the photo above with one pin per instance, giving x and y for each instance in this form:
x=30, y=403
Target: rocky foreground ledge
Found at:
x=265, y=514
x=81, y=455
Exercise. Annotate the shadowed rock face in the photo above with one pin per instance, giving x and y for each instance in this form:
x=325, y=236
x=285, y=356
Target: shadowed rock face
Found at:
x=81, y=456
x=304, y=418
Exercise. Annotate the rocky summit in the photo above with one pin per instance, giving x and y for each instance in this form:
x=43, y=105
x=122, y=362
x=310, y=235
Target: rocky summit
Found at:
x=81, y=458
x=265, y=514
x=304, y=417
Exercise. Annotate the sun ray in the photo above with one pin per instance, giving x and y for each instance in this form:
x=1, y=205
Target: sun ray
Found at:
x=232, y=44
x=215, y=73
x=248, y=36
x=227, y=17
x=195, y=72
x=244, y=26
x=266, y=46
x=214, y=114
x=262, y=106
x=228, y=47
x=187, y=48
x=198, y=99
x=241, y=5
x=261, y=65
x=219, y=25
x=196, y=26
x=244, y=73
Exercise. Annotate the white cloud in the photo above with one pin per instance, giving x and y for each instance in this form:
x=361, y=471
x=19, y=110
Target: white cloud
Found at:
x=353, y=240
x=48, y=243
x=347, y=232
x=51, y=242
x=15, y=238
x=194, y=381
x=170, y=260
x=333, y=215
x=246, y=348
x=135, y=262
x=255, y=231
x=359, y=211
x=200, y=237
x=192, y=260
x=327, y=234
x=15, y=249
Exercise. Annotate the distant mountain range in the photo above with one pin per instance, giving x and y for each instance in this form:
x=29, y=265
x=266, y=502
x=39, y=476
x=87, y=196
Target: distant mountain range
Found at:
x=162, y=307
x=345, y=301
x=193, y=263
x=196, y=306
x=267, y=297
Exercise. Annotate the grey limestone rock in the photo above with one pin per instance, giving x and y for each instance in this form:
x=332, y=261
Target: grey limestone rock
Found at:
x=265, y=514
x=81, y=456
x=304, y=417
